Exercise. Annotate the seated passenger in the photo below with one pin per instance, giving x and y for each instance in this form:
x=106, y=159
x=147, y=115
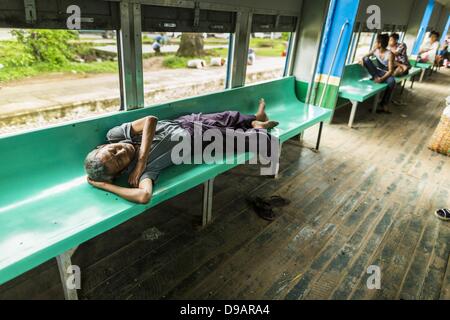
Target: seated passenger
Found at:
x=142, y=149
x=429, y=50
x=443, y=55
x=384, y=71
x=399, y=49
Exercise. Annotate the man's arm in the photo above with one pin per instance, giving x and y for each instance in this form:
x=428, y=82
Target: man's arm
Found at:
x=371, y=53
x=146, y=126
x=390, y=70
x=141, y=195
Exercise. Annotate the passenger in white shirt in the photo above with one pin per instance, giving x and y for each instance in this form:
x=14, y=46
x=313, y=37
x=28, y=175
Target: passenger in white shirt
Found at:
x=429, y=50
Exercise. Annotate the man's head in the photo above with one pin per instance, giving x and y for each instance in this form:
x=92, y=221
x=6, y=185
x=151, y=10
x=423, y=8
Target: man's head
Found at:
x=382, y=41
x=109, y=160
x=393, y=39
x=434, y=36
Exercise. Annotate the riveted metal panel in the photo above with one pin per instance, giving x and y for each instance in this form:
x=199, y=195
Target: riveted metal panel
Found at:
x=273, y=23
x=170, y=19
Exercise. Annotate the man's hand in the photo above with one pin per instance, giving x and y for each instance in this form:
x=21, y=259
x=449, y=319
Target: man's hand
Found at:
x=378, y=80
x=134, y=177
x=96, y=184
x=141, y=195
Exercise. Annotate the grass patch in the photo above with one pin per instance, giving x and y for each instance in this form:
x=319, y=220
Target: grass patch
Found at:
x=268, y=47
x=175, y=62
x=17, y=73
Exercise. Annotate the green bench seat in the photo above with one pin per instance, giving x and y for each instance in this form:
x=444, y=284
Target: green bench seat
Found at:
x=357, y=86
x=46, y=206
x=422, y=66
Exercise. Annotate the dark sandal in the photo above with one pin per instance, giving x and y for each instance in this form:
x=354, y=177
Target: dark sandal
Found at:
x=278, y=201
x=262, y=208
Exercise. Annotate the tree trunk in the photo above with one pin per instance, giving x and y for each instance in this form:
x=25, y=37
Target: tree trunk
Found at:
x=191, y=45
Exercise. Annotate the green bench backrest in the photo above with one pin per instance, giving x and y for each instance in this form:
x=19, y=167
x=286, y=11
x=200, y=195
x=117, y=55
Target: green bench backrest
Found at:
x=354, y=72
x=413, y=62
x=43, y=158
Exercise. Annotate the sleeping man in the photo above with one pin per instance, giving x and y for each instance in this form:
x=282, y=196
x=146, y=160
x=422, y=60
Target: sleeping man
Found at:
x=143, y=148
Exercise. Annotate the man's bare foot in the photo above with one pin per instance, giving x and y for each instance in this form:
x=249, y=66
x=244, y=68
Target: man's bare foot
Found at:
x=261, y=114
x=265, y=124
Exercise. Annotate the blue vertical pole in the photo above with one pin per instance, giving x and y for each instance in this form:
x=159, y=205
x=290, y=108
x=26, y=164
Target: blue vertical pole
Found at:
x=423, y=27
x=444, y=33
x=334, y=48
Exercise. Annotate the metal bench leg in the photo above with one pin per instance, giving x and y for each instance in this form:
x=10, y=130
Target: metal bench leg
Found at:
x=353, y=113
x=412, y=81
x=300, y=138
x=375, y=103
x=207, y=201
x=277, y=169
x=403, y=87
x=422, y=75
x=319, y=136
x=67, y=278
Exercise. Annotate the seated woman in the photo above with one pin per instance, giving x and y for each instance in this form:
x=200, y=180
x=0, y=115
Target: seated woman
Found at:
x=142, y=149
x=429, y=50
x=384, y=72
x=399, y=49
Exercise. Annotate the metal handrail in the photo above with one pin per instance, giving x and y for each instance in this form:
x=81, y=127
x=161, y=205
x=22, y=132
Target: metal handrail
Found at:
x=333, y=61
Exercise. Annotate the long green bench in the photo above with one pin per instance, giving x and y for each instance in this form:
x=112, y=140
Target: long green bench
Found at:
x=357, y=86
x=46, y=207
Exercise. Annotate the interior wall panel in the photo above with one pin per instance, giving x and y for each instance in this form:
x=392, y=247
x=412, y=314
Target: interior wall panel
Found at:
x=392, y=12
x=434, y=20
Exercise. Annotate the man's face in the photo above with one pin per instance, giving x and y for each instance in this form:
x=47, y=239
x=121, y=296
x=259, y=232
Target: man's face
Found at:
x=116, y=156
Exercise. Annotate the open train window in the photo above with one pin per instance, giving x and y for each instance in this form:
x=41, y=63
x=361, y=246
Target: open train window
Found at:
x=269, y=47
x=362, y=47
x=364, y=40
x=50, y=74
x=185, y=51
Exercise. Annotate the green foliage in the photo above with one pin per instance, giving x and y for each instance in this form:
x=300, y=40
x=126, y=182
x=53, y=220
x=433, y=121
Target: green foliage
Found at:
x=42, y=51
x=13, y=54
x=285, y=36
x=51, y=46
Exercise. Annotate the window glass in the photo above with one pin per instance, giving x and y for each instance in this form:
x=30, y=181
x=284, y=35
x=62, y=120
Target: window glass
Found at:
x=178, y=65
x=267, y=56
x=364, y=45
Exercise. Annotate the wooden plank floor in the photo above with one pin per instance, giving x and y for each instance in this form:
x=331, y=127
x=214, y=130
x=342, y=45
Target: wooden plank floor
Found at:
x=366, y=199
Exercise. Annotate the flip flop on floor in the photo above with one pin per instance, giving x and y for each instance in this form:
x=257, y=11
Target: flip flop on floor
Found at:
x=278, y=201
x=262, y=208
x=443, y=214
